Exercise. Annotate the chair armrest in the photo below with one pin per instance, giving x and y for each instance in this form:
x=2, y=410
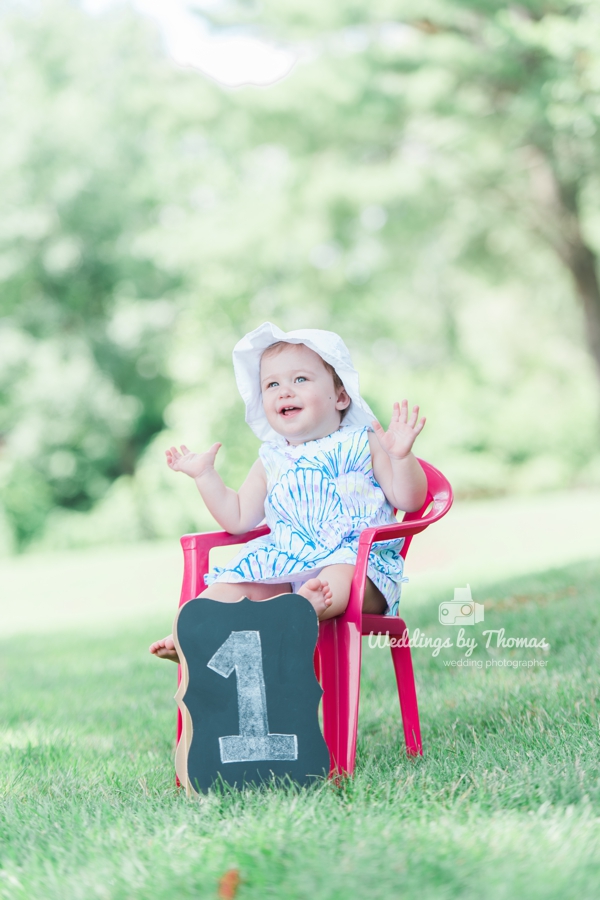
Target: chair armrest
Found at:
x=391, y=532
x=210, y=539
x=406, y=528
x=367, y=538
x=196, y=548
x=413, y=523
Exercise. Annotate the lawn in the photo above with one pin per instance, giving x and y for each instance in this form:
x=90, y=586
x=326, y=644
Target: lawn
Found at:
x=505, y=802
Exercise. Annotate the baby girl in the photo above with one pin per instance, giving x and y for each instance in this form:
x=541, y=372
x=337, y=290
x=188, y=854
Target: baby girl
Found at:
x=326, y=471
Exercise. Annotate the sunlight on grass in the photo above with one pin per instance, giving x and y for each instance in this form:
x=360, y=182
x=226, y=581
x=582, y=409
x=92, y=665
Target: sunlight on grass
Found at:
x=504, y=803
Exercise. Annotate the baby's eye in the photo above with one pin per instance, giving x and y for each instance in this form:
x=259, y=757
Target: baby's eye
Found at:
x=301, y=378
x=273, y=384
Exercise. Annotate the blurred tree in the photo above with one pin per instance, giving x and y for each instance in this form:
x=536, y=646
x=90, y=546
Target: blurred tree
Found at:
x=527, y=78
x=92, y=113
x=396, y=188
x=500, y=104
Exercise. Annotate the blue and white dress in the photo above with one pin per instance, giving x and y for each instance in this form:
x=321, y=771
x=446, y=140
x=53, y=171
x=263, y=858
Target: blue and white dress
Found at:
x=320, y=496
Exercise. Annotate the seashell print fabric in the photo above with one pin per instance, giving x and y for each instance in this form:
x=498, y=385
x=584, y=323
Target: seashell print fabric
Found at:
x=320, y=496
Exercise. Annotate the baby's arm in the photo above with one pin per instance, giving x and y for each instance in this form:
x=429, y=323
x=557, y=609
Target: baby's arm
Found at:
x=235, y=511
x=395, y=468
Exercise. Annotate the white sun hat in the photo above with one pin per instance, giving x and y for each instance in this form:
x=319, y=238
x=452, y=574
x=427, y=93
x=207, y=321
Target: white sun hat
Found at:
x=329, y=346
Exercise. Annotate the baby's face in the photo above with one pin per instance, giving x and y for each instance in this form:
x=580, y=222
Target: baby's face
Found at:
x=299, y=397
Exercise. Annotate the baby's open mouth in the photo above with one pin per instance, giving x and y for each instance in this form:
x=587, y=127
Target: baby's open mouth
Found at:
x=289, y=410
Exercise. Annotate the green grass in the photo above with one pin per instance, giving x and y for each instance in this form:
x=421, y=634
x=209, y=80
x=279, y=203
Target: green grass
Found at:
x=504, y=804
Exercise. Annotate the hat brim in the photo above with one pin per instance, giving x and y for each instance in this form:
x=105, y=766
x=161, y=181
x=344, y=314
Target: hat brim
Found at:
x=330, y=347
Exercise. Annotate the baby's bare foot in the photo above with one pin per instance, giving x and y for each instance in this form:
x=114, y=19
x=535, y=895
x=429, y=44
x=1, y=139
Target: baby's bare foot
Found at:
x=165, y=649
x=318, y=593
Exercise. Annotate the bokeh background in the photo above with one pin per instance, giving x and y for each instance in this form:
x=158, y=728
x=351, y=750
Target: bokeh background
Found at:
x=422, y=178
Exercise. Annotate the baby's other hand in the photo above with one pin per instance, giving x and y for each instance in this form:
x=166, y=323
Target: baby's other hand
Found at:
x=398, y=440
x=192, y=464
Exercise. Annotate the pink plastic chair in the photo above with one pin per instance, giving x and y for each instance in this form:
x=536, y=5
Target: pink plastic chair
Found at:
x=339, y=646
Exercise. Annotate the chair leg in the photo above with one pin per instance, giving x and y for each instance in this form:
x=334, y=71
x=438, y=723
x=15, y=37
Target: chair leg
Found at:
x=340, y=653
x=179, y=723
x=407, y=695
x=317, y=664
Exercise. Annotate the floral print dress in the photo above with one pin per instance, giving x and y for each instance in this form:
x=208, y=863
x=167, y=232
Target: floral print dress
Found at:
x=320, y=496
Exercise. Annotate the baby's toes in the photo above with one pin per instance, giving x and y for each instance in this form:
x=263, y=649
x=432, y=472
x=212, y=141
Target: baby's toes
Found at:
x=166, y=643
x=313, y=584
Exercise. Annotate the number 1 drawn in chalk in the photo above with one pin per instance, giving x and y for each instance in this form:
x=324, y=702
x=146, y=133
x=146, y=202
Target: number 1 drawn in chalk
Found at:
x=242, y=652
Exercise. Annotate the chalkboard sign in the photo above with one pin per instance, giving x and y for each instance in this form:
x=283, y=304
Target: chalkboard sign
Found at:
x=248, y=696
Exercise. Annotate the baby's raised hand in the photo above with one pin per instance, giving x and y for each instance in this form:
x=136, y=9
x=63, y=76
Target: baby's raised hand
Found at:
x=192, y=464
x=397, y=441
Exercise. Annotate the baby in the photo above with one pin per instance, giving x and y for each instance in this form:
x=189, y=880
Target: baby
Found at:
x=326, y=471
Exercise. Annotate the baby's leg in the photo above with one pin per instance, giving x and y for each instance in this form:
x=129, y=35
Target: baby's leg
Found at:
x=339, y=579
x=224, y=593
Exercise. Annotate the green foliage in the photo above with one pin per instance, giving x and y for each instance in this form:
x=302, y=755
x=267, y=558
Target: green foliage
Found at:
x=422, y=184
x=86, y=318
